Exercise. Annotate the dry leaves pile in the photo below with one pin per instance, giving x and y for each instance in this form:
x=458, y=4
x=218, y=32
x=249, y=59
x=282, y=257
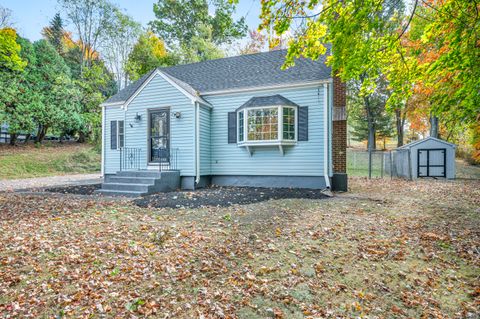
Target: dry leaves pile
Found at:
x=388, y=249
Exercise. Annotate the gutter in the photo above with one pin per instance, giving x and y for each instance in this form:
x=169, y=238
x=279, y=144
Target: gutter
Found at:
x=325, y=135
x=197, y=142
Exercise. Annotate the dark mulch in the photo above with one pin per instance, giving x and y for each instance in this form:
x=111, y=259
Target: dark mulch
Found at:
x=73, y=189
x=223, y=196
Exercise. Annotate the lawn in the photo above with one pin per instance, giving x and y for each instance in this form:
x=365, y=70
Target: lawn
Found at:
x=47, y=160
x=386, y=249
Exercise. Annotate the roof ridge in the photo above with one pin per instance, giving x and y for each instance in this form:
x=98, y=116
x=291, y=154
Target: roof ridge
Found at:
x=223, y=58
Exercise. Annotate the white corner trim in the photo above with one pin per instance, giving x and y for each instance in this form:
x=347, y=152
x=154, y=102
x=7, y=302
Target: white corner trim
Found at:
x=325, y=135
x=197, y=142
x=103, y=142
x=269, y=87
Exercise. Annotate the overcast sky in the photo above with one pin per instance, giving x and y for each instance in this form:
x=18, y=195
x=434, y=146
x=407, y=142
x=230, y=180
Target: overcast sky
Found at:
x=30, y=16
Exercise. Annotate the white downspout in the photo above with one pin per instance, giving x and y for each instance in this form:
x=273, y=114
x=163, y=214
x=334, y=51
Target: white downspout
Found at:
x=325, y=135
x=197, y=142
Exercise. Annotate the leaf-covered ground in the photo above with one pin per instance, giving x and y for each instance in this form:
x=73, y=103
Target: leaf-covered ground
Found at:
x=387, y=249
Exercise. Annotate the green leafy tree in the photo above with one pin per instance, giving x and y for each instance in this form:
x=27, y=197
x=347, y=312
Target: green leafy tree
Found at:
x=148, y=53
x=203, y=24
x=368, y=115
x=200, y=47
x=58, y=98
x=10, y=58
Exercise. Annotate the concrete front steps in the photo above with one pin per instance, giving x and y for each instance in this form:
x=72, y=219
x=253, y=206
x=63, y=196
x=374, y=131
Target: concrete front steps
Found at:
x=139, y=183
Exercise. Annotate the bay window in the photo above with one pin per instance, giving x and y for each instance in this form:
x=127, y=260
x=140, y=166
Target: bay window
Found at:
x=267, y=125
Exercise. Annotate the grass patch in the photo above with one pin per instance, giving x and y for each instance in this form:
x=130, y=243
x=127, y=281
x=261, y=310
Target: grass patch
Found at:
x=26, y=162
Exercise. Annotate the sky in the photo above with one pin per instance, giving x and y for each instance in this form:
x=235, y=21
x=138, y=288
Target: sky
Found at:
x=30, y=16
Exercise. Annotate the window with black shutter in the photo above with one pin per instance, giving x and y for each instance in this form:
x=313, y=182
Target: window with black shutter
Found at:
x=232, y=127
x=303, y=123
x=113, y=135
x=117, y=134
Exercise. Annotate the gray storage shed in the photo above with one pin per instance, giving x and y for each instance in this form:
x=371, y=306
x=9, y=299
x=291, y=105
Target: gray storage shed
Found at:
x=430, y=157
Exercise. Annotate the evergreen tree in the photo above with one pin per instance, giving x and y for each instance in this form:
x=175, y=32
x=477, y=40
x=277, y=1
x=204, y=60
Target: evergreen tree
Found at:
x=54, y=33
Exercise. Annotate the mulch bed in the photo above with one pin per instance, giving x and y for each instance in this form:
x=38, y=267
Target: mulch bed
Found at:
x=211, y=196
x=74, y=189
x=223, y=196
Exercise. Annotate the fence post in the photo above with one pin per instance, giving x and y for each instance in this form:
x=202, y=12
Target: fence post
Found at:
x=369, y=164
x=381, y=164
x=391, y=164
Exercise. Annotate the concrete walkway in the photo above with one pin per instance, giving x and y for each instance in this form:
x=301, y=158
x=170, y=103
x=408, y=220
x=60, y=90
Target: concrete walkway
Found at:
x=78, y=179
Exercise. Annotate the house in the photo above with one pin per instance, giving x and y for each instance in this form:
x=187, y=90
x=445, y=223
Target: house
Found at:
x=428, y=157
x=233, y=121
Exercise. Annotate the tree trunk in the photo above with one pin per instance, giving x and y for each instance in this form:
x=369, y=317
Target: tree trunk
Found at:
x=399, y=122
x=371, y=142
x=433, y=126
x=27, y=138
x=82, y=138
x=42, y=131
x=13, y=139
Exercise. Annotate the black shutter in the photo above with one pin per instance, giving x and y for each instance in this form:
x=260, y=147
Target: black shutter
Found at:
x=303, y=123
x=232, y=127
x=113, y=135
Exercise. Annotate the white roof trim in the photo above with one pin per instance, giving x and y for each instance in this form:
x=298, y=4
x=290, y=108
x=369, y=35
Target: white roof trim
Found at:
x=166, y=78
x=424, y=140
x=112, y=104
x=269, y=87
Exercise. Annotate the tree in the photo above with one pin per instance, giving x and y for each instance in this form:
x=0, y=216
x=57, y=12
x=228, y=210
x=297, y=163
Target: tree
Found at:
x=58, y=98
x=368, y=115
x=257, y=43
x=10, y=51
x=91, y=19
x=55, y=33
x=15, y=68
x=148, y=53
x=120, y=39
x=200, y=47
x=181, y=22
x=5, y=18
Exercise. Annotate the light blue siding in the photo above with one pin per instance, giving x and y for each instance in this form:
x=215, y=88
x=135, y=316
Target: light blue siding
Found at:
x=205, y=150
x=159, y=93
x=303, y=159
x=111, y=157
x=217, y=157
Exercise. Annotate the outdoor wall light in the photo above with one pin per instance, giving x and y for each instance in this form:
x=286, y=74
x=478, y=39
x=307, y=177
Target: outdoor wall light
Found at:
x=138, y=117
x=178, y=115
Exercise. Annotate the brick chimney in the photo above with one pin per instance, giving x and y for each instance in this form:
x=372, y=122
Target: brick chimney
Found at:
x=339, y=135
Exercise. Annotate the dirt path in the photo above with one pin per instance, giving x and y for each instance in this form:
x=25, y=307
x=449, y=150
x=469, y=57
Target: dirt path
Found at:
x=77, y=179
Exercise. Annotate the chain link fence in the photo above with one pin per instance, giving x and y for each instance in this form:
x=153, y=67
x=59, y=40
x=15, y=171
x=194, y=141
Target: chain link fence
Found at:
x=379, y=164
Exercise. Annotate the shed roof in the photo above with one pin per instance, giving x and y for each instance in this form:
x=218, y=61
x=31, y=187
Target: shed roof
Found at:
x=238, y=72
x=430, y=138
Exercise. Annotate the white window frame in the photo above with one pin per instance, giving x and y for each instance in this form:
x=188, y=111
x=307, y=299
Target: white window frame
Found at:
x=280, y=140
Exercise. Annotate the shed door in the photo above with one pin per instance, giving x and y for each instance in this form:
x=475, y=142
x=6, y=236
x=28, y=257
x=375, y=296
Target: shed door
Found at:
x=432, y=162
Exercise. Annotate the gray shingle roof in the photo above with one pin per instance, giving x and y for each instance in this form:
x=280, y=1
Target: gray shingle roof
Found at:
x=239, y=72
x=271, y=100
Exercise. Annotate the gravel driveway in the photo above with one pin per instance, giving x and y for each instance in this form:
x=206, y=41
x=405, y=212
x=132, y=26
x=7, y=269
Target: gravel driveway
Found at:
x=28, y=183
